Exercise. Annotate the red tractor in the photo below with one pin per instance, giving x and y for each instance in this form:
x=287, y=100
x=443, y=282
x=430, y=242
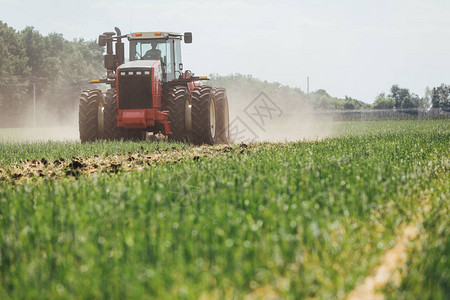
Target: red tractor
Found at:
x=152, y=93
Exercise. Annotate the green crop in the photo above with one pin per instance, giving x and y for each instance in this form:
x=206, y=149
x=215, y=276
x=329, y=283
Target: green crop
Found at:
x=298, y=220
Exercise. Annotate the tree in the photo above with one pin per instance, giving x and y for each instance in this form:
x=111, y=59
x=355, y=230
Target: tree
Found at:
x=13, y=73
x=349, y=106
x=415, y=100
x=351, y=103
x=440, y=97
x=59, y=69
x=401, y=96
x=383, y=102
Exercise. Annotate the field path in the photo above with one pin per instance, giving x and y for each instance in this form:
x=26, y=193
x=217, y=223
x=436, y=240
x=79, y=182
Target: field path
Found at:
x=393, y=261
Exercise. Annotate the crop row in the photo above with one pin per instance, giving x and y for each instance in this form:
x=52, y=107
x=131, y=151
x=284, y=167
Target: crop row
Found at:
x=299, y=220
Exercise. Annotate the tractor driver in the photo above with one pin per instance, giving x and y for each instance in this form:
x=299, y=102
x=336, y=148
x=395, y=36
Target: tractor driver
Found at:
x=153, y=54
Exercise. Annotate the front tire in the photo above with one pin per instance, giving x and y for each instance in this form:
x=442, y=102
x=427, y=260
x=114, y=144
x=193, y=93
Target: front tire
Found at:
x=90, y=115
x=112, y=132
x=204, y=111
x=178, y=103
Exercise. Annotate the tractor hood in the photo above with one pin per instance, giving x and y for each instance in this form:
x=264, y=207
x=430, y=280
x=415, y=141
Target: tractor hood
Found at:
x=138, y=64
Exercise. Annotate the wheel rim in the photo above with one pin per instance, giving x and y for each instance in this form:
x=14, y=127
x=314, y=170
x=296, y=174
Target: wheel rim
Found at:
x=101, y=120
x=187, y=116
x=212, y=118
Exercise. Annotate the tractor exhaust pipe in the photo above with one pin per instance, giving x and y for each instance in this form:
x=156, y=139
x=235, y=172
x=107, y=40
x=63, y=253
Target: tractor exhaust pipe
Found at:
x=120, y=50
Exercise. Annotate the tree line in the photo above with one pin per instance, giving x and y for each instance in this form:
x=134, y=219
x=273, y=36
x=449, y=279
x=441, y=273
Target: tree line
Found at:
x=49, y=67
x=402, y=98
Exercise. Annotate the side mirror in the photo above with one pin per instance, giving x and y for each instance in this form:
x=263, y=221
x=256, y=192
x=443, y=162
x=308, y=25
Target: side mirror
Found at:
x=180, y=67
x=188, y=37
x=102, y=40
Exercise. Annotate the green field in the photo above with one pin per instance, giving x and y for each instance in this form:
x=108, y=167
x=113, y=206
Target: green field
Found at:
x=297, y=220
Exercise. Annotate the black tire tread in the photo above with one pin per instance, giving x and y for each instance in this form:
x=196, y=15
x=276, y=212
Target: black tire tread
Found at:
x=220, y=95
x=88, y=115
x=201, y=133
x=112, y=132
x=175, y=97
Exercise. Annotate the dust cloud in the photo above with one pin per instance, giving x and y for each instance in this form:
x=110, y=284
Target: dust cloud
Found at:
x=268, y=117
x=53, y=123
x=254, y=116
x=39, y=134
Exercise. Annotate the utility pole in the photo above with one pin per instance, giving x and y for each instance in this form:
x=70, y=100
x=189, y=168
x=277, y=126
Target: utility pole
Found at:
x=34, y=104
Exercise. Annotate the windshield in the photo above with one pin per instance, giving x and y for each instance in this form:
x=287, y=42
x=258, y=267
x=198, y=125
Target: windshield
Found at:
x=154, y=49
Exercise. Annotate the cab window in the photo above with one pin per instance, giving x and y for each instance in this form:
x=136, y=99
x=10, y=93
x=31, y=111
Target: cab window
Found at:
x=154, y=49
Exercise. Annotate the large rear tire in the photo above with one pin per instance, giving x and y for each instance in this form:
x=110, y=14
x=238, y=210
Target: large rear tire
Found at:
x=90, y=115
x=177, y=100
x=223, y=116
x=204, y=111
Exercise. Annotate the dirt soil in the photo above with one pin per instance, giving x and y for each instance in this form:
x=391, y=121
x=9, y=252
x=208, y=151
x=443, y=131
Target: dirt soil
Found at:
x=32, y=170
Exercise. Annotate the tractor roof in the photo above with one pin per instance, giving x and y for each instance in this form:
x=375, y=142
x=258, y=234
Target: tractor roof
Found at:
x=154, y=35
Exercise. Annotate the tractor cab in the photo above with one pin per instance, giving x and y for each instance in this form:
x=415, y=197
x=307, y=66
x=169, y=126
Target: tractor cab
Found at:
x=162, y=46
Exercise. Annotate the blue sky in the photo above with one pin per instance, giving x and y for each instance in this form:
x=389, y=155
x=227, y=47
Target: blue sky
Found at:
x=348, y=47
